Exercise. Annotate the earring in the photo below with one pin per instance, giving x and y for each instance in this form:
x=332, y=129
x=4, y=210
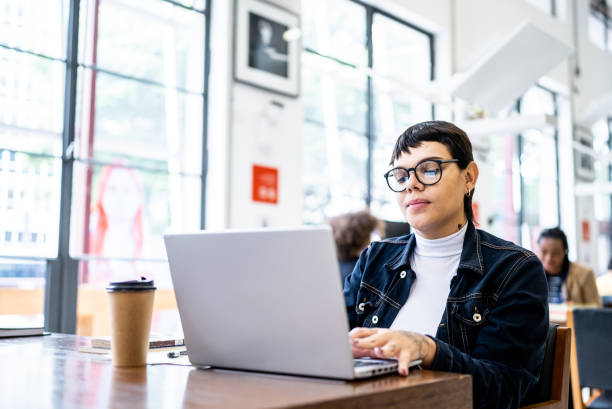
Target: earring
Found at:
x=468, y=194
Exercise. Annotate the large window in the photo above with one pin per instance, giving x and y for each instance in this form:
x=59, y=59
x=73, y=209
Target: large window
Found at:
x=600, y=24
x=131, y=144
x=518, y=180
x=602, y=144
x=538, y=168
x=358, y=68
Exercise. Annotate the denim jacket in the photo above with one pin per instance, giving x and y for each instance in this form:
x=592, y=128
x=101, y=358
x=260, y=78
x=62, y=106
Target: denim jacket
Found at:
x=495, y=321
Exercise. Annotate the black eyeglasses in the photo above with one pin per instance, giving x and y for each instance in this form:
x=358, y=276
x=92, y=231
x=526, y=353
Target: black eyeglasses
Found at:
x=427, y=172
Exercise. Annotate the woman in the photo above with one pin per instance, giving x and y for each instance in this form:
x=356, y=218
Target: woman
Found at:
x=493, y=322
x=567, y=281
x=352, y=233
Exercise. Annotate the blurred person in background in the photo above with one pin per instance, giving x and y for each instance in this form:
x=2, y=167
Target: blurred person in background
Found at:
x=352, y=233
x=567, y=281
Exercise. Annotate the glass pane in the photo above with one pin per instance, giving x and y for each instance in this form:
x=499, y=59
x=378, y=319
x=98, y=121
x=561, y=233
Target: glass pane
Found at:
x=334, y=178
x=29, y=204
x=37, y=26
x=539, y=175
x=336, y=29
x=22, y=288
x=140, y=124
x=31, y=103
x=122, y=213
x=597, y=32
x=383, y=203
x=400, y=51
x=602, y=169
x=92, y=304
x=334, y=95
x=147, y=39
x=537, y=101
x=498, y=186
x=396, y=109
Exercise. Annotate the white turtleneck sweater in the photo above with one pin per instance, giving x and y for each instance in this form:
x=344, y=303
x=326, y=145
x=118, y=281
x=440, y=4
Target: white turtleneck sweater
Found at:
x=435, y=263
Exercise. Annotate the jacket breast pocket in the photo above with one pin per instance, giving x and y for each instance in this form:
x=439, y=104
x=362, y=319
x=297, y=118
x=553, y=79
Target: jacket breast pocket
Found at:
x=469, y=316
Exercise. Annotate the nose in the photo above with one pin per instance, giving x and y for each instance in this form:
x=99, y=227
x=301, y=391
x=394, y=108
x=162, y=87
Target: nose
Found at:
x=413, y=183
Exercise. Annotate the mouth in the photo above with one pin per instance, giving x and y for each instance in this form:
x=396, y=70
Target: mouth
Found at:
x=416, y=204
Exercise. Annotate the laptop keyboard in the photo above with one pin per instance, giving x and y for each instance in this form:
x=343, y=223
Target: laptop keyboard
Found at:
x=364, y=362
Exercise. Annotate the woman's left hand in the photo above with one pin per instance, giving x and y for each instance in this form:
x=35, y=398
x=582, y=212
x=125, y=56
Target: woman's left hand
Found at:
x=385, y=343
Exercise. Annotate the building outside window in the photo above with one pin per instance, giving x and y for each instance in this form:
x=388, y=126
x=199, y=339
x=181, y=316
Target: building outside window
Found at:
x=136, y=150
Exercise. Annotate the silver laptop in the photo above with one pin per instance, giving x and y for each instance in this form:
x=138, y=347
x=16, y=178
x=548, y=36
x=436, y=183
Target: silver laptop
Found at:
x=265, y=300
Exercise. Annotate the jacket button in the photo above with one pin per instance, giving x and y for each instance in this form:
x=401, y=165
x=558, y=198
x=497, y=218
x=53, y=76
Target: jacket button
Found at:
x=477, y=317
x=375, y=319
x=403, y=274
x=361, y=306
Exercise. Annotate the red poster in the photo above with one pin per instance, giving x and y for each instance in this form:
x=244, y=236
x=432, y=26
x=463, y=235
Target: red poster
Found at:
x=265, y=184
x=586, y=231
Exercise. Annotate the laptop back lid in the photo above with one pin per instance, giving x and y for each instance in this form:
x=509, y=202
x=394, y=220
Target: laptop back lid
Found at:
x=265, y=300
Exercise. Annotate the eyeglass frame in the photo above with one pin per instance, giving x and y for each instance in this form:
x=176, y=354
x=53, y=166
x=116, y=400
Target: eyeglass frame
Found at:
x=438, y=161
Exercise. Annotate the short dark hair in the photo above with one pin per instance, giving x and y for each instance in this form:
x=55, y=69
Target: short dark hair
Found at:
x=451, y=136
x=352, y=230
x=554, y=233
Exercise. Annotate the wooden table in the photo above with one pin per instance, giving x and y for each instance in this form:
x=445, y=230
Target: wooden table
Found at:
x=49, y=372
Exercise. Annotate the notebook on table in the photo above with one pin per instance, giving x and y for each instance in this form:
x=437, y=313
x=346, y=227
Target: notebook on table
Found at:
x=265, y=300
x=13, y=325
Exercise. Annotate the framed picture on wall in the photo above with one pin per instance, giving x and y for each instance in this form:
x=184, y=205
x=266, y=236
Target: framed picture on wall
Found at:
x=267, y=47
x=584, y=162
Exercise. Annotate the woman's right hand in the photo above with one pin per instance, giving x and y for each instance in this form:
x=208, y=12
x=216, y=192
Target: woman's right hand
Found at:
x=385, y=343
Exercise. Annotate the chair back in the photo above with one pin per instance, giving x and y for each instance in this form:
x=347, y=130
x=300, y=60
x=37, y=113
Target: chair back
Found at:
x=540, y=392
x=552, y=389
x=593, y=333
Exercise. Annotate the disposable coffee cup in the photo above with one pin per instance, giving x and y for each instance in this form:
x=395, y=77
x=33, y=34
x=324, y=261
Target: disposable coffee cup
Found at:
x=131, y=308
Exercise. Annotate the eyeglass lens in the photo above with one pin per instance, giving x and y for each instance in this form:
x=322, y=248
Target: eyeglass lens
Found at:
x=427, y=173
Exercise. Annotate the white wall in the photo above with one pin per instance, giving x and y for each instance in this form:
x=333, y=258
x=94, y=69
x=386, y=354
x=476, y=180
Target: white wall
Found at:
x=246, y=129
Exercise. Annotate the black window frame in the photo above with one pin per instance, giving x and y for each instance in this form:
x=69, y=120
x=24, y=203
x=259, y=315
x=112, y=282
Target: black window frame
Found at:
x=369, y=133
x=61, y=284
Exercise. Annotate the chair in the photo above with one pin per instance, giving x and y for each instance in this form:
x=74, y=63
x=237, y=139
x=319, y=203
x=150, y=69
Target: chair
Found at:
x=552, y=389
x=593, y=334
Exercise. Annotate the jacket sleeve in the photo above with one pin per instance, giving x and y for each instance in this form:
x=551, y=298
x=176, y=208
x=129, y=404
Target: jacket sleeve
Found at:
x=589, y=289
x=351, y=288
x=508, y=352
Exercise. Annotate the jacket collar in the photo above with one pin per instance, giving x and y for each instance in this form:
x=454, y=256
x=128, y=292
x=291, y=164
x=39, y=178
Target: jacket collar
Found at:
x=471, y=255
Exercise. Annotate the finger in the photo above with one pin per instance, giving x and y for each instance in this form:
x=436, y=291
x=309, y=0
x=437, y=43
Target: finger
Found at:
x=389, y=350
x=360, y=332
x=377, y=339
x=403, y=361
x=363, y=352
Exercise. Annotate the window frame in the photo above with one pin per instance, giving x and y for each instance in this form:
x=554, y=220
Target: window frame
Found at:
x=61, y=279
x=370, y=12
x=520, y=142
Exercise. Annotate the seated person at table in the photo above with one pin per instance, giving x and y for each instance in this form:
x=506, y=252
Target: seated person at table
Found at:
x=567, y=281
x=352, y=233
x=458, y=298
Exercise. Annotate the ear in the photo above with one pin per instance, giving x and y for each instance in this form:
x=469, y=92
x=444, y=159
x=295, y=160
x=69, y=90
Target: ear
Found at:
x=471, y=175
